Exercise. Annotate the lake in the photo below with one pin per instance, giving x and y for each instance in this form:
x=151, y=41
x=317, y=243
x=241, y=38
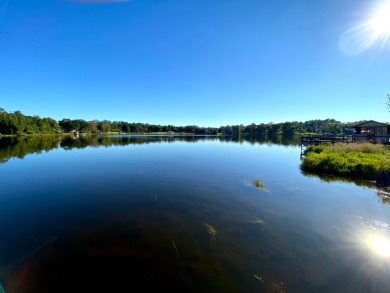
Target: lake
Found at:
x=181, y=213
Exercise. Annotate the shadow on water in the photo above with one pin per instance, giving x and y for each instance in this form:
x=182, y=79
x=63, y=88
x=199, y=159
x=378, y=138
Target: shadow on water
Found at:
x=383, y=193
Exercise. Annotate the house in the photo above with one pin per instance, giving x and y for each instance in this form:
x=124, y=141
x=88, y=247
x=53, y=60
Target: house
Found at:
x=372, y=131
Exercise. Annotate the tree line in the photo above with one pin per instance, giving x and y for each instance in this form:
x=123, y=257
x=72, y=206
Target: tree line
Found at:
x=16, y=123
x=19, y=146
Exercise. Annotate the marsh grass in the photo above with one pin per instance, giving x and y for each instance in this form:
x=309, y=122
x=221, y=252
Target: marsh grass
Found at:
x=353, y=160
x=364, y=147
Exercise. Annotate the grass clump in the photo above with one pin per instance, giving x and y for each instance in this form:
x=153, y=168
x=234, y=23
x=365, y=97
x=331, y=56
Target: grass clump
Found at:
x=258, y=183
x=353, y=160
x=255, y=183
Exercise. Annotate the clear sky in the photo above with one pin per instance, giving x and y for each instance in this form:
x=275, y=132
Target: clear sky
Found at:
x=185, y=62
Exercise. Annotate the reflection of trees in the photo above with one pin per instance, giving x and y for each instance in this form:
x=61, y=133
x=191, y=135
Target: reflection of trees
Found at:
x=382, y=192
x=332, y=178
x=384, y=196
x=273, y=139
x=71, y=142
x=21, y=146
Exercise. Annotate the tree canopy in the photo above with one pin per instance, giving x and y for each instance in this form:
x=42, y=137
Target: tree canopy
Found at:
x=18, y=124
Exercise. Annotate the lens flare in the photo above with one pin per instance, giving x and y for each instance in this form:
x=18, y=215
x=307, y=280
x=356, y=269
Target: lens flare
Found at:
x=374, y=31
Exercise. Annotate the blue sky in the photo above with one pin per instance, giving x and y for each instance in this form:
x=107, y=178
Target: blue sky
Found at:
x=184, y=62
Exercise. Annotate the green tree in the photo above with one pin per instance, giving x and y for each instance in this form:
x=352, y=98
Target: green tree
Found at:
x=93, y=126
x=288, y=128
x=6, y=125
x=106, y=127
x=66, y=125
x=20, y=122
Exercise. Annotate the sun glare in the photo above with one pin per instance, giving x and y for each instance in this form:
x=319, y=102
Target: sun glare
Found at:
x=381, y=20
x=380, y=246
x=376, y=30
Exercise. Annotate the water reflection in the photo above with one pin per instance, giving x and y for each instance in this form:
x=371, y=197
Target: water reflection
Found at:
x=21, y=146
x=375, y=236
x=382, y=192
x=384, y=195
x=372, y=236
x=380, y=245
x=331, y=178
x=190, y=216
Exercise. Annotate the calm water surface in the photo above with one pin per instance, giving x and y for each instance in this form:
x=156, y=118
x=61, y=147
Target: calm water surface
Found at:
x=114, y=214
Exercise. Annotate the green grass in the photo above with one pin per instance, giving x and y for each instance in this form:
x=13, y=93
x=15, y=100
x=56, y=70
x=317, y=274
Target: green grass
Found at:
x=351, y=160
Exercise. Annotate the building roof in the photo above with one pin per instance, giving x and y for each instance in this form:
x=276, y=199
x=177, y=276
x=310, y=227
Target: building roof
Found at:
x=370, y=123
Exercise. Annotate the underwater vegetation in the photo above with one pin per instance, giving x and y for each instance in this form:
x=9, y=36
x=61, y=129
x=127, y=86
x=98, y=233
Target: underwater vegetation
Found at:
x=211, y=230
x=257, y=221
x=174, y=246
x=258, y=183
x=255, y=183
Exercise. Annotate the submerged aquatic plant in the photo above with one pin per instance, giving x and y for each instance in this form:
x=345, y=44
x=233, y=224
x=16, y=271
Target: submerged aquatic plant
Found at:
x=256, y=220
x=174, y=246
x=258, y=183
x=259, y=278
x=294, y=188
x=211, y=230
x=255, y=183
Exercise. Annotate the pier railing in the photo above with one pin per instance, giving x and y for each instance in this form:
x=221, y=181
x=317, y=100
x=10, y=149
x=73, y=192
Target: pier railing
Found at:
x=319, y=139
x=308, y=140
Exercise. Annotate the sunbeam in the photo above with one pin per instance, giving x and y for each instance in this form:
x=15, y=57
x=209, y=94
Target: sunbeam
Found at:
x=374, y=31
